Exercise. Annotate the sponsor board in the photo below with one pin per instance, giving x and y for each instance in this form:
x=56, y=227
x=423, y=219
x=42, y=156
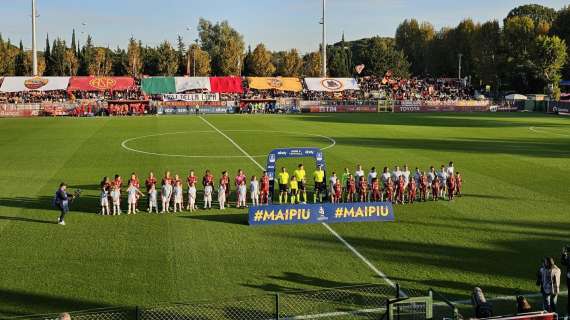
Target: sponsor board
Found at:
x=194, y=97
x=340, y=109
x=166, y=110
x=321, y=213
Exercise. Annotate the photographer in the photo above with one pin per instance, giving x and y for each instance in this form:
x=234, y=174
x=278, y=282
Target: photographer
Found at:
x=566, y=262
x=61, y=201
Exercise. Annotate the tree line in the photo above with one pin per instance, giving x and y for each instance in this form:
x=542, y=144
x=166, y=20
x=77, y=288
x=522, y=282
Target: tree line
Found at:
x=526, y=53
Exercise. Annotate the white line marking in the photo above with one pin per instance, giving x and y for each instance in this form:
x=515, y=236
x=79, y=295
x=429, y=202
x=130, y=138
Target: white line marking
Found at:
x=331, y=230
x=125, y=143
x=534, y=129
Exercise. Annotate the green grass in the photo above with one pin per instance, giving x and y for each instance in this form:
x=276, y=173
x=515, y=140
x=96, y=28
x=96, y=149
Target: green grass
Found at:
x=515, y=209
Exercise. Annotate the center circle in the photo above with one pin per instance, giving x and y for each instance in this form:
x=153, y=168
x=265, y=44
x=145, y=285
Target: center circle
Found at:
x=125, y=143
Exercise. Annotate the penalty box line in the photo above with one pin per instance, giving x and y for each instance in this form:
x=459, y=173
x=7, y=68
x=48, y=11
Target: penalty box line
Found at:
x=331, y=230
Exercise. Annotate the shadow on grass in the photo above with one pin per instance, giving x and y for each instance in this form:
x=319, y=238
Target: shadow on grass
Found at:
x=448, y=120
x=527, y=147
x=299, y=281
x=18, y=303
x=21, y=219
x=238, y=218
x=83, y=204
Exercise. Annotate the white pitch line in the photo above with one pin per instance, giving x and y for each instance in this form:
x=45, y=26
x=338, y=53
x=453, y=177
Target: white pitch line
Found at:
x=534, y=129
x=331, y=230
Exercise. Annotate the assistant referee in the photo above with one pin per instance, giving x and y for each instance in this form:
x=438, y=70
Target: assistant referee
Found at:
x=319, y=177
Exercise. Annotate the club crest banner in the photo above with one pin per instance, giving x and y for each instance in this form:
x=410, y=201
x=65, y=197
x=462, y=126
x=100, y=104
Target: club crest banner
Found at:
x=331, y=84
x=192, y=83
x=24, y=84
x=93, y=83
x=278, y=83
x=321, y=213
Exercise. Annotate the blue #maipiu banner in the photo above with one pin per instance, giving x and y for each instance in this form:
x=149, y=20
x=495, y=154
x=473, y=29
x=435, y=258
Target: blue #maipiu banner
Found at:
x=319, y=213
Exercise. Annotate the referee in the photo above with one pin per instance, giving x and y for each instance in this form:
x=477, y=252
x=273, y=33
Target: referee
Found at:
x=62, y=199
x=319, y=177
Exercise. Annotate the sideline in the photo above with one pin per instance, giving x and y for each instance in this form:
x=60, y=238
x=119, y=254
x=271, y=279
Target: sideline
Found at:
x=537, y=130
x=331, y=230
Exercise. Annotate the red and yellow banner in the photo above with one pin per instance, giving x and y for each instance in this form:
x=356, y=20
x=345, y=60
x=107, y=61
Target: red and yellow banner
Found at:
x=281, y=84
x=93, y=83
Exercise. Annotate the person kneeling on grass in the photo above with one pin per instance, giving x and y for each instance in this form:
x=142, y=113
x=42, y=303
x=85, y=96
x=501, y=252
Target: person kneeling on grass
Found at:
x=132, y=193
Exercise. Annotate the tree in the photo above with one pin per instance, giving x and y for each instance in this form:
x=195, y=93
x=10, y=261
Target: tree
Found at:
x=413, y=39
x=312, y=64
x=224, y=45
x=41, y=64
x=535, y=12
x=102, y=62
x=260, y=64
x=71, y=62
x=73, y=44
x=200, y=59
x=120, y=62
x=87, y=57
x=381, y=55
x=339, y=59
x=290, y=64
x=134, y=59
x=561, y=28
x=550, y=55
x=167, y=59
x=19, y=63
x=150, y=58
x=487, y=54
x=181, y=55
x=47, y=57
x=58, y=62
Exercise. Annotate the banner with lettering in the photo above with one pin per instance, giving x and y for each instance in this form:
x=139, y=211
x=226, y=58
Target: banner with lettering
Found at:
x=277, y=83
x=192, y=83
x=320, y=213
x=93, y=83
x=331, y=84
x=193, y=97
x=24, y=84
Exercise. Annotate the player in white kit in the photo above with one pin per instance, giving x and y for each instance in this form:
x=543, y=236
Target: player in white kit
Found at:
x=116, y=199
x=242, y=195
x=254, y=191
x=177, y=192
x=222, y=196
x=152, y=199
x=132, y=193
x=166, y=194
x=105, y=201
x=208, y=190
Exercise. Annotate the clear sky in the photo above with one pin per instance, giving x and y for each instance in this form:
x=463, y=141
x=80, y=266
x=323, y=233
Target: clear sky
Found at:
x=280, y=24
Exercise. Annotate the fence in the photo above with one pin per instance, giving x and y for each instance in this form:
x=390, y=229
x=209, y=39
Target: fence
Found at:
x=355, y=302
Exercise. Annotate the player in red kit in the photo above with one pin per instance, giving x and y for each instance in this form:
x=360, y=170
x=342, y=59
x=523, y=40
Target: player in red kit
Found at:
x=134, y=181
x=166, y=178
x=363, y=189
x=264, y=188
x=350, y=189
x=337, y=188
x=435, y=188
x=400, y=189
x=390, y=190
x=225, y=181
x=458, y=184
x=150, y=181
x=412, y=189
x=451, y=187
x=118, y=182
x=424, y=187
x=376, y=192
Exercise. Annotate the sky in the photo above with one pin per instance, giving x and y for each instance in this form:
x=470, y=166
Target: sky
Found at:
x=279, y=24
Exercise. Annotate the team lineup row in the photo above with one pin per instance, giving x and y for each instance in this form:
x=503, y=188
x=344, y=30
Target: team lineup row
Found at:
x=398, y=186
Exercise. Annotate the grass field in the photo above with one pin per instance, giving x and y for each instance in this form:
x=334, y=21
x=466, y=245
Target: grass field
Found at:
x=516, y=171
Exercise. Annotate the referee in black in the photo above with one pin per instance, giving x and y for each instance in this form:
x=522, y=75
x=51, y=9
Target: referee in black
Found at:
x=62, y=199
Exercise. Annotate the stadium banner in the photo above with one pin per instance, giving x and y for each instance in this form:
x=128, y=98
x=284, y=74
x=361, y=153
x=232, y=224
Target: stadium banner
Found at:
x=339, y=109
x=331, y=84
x=192, y=83
x=321, y=213
x=10, y=110
x=192, y=110
x=158, y=85
x=278, y=83
x=194, y=97
x=441, y=106
x=25, y=84
x=226, y=84
x=101, y=84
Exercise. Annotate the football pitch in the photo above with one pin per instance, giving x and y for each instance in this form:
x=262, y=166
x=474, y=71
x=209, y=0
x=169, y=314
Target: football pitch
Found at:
x=515, y=208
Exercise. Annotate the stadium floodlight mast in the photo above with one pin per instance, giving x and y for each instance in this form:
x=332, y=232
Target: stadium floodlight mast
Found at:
x=34, y=44
x=324, y=44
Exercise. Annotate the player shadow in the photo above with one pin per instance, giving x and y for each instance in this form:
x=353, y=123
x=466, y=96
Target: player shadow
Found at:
x=300, y=282
x=83, y=204
x=21, y=219
x=515, y=259
x=448, y=120
x=553, y=148
x=236, y=218
x=19, y=303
